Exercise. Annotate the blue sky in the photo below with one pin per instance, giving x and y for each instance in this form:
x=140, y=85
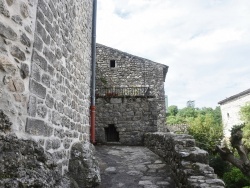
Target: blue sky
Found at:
x=205, y=43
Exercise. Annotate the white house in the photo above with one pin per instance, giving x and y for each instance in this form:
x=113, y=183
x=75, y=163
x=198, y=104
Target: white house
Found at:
x=230, y=108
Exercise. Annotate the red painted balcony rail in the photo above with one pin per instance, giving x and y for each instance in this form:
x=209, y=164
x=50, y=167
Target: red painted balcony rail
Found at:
x=123, y=92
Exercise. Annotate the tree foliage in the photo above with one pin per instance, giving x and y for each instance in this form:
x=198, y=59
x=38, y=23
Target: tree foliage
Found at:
x=245, y=116
x=173, y=120
x=180, y=116
x=235, y=178
x=172, y=110
x=188, y=114
x=220, y=166
x=204, y=124
x=207, y=132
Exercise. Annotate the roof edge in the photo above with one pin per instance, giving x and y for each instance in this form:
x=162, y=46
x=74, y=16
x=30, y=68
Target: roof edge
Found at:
x=234, y=96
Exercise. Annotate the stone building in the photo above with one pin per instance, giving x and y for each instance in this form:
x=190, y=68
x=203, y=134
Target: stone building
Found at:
x=130, y=96
x=45, y=71
x=230, y=108
x=45, y=74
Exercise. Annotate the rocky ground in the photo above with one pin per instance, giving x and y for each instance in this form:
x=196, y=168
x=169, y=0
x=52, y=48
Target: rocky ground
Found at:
x=132, y=167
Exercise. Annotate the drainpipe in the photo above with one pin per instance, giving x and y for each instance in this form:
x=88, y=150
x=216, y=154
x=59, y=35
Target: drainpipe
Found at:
x=92, y=107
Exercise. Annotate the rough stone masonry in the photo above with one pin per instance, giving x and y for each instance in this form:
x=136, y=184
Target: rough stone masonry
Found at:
x=131, y=110
x=45, y=54
x=45, y=57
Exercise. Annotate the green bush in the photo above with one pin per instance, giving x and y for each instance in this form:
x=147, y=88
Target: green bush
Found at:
x=206, y=131
x=235, y=179
x=219, y=165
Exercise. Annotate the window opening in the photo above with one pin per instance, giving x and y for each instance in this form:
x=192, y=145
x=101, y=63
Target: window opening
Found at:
x=112, y=63
x=111, y=134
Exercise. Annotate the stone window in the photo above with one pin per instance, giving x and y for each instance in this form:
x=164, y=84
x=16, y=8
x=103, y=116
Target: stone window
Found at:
x=111, y=133
x=112, y=63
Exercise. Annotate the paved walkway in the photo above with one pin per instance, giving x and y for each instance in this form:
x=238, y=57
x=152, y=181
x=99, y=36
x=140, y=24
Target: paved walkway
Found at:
x=132, y=167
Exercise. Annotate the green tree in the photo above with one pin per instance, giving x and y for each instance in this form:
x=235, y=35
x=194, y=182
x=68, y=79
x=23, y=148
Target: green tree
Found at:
x=173, y=120
x=205, y=110
x=173, y=116
x=220, y=166
x=217, y=115
x=207, y=132
x=183, y=116
x=245, y=116
x=235, y=178
x=172, y=110
x=188, y=112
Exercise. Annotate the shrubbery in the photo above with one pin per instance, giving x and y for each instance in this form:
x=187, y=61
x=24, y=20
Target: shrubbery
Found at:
x=205, y=125
x=234, y=178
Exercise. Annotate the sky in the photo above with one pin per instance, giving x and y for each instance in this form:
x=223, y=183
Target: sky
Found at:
x=205, y=43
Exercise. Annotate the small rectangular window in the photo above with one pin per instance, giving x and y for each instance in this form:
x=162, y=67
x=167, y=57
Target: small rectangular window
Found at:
x=112, y=63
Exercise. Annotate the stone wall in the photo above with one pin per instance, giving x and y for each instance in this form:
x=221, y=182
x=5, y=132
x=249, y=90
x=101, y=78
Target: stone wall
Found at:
x=129, y=71
x=60, y=76
x=177, y=128
x=132, y=116
x=188, y=162
x=24, y=163
x=45, y=71
x=17, y=25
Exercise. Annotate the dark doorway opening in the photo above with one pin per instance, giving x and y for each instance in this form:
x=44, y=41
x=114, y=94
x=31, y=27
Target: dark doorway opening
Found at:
x=111, y=134
x=112, y=63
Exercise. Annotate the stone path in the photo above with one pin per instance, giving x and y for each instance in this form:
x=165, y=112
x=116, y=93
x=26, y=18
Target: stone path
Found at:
x=132, y=167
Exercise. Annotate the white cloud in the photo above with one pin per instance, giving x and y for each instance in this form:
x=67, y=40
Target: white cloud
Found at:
x=205, y=43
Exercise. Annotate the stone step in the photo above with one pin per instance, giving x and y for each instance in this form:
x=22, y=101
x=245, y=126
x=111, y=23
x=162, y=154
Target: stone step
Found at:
x=204, y=182
x=194, y=154
x=191, y=168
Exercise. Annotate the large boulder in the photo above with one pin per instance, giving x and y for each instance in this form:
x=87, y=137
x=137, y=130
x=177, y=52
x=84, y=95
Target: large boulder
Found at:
x=83, y=167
